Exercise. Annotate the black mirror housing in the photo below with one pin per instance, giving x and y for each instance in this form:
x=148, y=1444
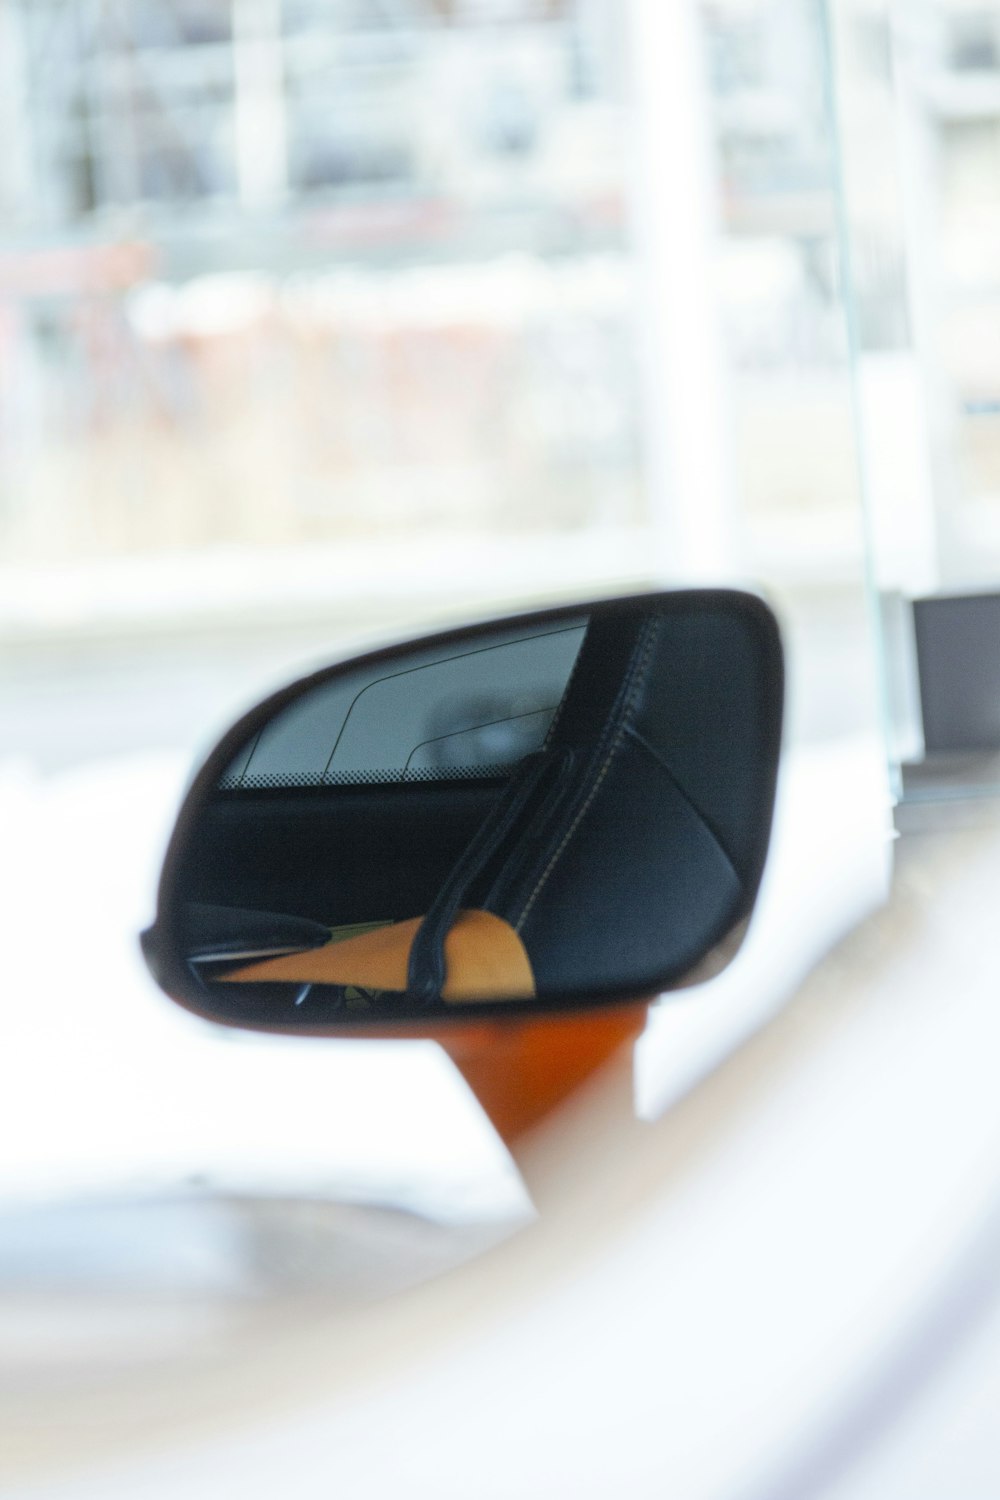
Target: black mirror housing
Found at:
x=554, y=811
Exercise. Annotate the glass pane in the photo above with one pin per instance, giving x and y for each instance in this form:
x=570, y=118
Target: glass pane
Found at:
x=318, y=320
x=796, y=475
x=919, y=129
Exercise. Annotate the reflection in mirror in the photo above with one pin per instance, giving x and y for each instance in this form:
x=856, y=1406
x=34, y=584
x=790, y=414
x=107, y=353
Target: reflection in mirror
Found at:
x=469, y=709
x=571, y=805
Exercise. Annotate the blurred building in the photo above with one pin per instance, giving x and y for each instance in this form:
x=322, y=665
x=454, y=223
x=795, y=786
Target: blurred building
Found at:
x=285, y=270
x=191, y=113
x=327, y=152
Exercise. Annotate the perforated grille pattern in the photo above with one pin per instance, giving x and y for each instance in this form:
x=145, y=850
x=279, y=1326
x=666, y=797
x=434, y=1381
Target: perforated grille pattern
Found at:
x=279, y=780
x=237, y=783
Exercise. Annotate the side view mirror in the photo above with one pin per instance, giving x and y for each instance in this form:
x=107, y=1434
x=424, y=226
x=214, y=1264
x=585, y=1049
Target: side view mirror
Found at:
x=559, y=810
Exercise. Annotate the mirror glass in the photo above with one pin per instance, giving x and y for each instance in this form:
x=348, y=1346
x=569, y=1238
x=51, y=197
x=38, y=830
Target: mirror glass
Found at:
x=563, y=807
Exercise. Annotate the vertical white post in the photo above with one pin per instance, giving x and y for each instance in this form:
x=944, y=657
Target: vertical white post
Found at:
x=932, y=513
x=15, y=158
x=261, y=125
x=675, y=219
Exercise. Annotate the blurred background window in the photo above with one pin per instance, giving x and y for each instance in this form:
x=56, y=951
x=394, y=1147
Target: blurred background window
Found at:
x=321, y=318
x=317, y=271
